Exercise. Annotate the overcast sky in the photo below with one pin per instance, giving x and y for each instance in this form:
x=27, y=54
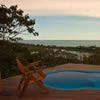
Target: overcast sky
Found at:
x=63, y=19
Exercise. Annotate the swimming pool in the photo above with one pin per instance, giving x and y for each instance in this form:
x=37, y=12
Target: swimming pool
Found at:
x=72, y=80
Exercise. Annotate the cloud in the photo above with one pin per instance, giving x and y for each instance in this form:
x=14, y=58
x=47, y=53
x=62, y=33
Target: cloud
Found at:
x=89, y=8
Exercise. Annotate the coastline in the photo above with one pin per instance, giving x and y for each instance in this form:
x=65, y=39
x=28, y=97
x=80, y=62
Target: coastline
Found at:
x=63, y=43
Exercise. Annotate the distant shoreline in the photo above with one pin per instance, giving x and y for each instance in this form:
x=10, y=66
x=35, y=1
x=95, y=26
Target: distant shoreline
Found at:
x=63, y=43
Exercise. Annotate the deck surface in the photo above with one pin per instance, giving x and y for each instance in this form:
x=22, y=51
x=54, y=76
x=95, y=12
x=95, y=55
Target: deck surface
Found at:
x=34, y=92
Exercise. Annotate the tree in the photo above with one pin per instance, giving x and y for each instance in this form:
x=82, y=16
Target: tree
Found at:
x=14, y=22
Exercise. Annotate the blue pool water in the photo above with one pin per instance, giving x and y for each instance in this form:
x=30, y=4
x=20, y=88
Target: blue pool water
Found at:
x=72, y=80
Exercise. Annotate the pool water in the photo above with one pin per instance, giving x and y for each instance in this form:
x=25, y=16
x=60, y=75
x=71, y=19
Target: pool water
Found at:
x=72, y=80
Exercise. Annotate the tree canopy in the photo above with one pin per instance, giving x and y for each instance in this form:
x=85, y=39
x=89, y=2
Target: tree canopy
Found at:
x=13, y=22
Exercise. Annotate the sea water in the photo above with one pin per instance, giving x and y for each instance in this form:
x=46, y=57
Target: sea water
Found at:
x=65, y=43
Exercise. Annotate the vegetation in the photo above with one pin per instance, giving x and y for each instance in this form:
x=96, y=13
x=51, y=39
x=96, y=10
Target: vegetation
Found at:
x=49, y=56
x=14, y=22
x=90, y=49
x=8, y=54
x=94, y=58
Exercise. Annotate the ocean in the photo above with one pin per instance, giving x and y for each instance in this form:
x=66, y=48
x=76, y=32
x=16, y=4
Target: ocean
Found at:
x=65, y=43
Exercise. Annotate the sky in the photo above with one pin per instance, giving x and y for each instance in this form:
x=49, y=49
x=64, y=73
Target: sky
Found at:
x=62, y=19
